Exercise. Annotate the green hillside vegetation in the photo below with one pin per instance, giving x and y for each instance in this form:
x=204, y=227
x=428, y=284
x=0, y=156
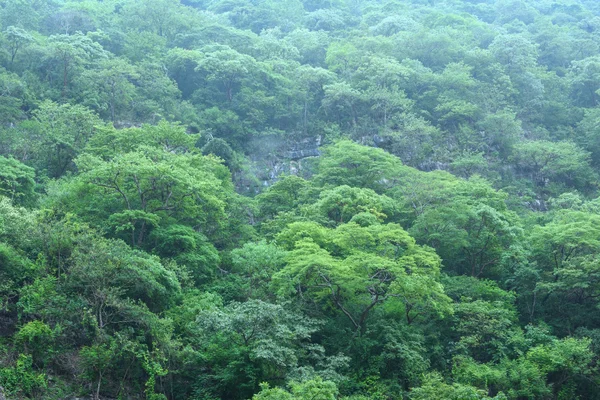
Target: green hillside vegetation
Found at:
x=300, y=199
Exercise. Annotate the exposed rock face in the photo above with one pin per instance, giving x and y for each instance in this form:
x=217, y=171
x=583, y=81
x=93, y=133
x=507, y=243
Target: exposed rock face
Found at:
x=300, y=154
x=7, y=325
x=433, y=166
x=2, y=397
x=537, y=205
x=308, y=147
x=274, y=155
x=126, y=124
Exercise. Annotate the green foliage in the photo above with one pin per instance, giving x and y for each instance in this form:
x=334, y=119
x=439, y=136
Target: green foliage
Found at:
x=467, y=222
x=347, y=163
x=366, y=268
x=343, y=203
x=435, y=388
x=299, y=199
x=246, y=343
x=36, y=339
x=15, y=97
x=549, y=162
x=55, y=136
x=107, y=273
x=287, y=194
x=143, y=188
x=96, y=360
x=256, y=263
x=188, y=248
x=22, y=380
x=16, y=270
x=17, y=181
x=312, y=389
x=108, y=142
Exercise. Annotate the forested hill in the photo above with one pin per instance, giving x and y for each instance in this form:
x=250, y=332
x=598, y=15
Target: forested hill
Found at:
x=299, y=199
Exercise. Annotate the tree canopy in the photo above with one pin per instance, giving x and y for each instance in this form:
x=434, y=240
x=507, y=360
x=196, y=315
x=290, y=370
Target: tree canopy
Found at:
x=299, y=199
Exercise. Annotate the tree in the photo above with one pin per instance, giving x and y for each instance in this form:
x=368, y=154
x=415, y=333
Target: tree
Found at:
x=342, y=100
x=157, y=96
x=502, y=130
x=96, y=360
x=410, y=138
x=299, y=199
x=15, y=98
x=342, y=57
x=182, y=65
x=16, y=39
x=109, y=89
x=366, y=268
x=470, y=236
x=115, y=280
x=564, y=250
x=287, y=194
x=71, y=53
x=56, y=135
x=519, y=56
x=314, y=389
x=584, y=77
x=543, y=371
x=225, y=66
x=589, y=134
x=25, y=14
x=435, y=388
x=548, y=162
x=341, y=204
x=311, y=45
x=311, y=83
x=17, y=224
x=37, y=339
x=256, y=263
x=146, y=188
x=166, y=18
x=17, y=270
x=248, y=343
x=380, y=79
x=190, y=249
x=107, y=142
x=22, y=379
x=17, y=182
x=347, y=163
x=326, y=20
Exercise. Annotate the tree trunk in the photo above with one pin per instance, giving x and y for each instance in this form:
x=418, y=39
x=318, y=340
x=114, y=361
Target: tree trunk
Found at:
x=97, y=394
x=65, y=79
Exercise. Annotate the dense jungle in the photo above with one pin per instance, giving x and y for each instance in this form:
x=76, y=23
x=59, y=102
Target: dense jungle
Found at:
x=300, y=199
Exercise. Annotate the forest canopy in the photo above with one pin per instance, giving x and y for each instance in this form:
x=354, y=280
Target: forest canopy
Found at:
x=300, y=199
